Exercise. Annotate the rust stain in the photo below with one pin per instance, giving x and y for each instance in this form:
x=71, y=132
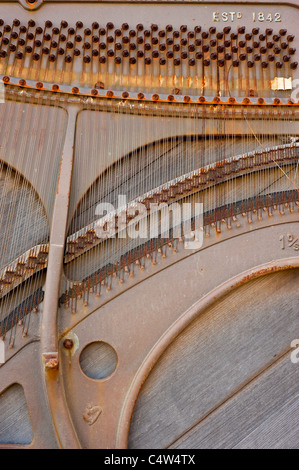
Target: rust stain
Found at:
x=51, y=361
x=261, y=272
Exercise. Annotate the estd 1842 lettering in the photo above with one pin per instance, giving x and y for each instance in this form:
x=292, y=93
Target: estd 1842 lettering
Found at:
x=259, y=16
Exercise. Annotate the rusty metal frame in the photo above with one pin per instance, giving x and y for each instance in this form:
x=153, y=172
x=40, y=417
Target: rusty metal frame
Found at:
x=50, y=361
x=110, y=95
x=31, y=6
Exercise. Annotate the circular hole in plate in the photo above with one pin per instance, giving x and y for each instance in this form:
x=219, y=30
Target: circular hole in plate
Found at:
x=98, y=360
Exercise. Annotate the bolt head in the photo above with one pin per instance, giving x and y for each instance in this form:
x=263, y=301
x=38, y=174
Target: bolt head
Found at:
x=68, y=343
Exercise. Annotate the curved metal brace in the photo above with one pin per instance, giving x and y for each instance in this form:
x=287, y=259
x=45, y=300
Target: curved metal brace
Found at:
x=178, y=326
x=234, y=166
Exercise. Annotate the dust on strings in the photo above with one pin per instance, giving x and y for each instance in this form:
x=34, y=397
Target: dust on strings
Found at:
x=31, y=144
x=236, y=161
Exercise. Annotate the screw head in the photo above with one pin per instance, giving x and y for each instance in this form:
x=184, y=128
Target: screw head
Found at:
x=68, y=343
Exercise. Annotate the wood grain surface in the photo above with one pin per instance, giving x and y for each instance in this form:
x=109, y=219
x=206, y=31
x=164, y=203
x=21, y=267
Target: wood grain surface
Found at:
x=15, y=425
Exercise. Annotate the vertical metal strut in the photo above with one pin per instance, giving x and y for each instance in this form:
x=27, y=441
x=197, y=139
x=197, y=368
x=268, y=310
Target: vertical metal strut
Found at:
x=65, y=431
